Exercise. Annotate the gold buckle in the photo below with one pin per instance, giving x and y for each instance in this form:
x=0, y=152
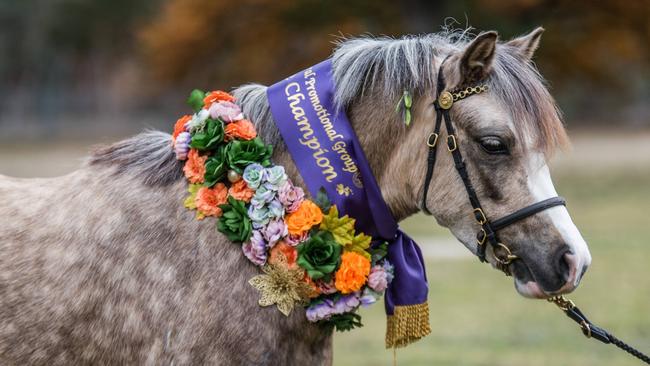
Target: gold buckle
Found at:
x=435, y=140
x=454, y=146
x=482, y=240
x=483, y=219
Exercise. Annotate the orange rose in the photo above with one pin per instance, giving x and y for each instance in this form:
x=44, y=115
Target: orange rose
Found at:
x=353, y=272
x=306, y=216
x=289, y=252
x=209, y=199
x=216, y=96
x=180, y=125
x=243, y=130
x=194, y=168
x=240, y=190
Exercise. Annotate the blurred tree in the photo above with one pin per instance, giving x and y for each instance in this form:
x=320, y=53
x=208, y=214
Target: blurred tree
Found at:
x=599, y=46
x=206, y=41
x=139, y=57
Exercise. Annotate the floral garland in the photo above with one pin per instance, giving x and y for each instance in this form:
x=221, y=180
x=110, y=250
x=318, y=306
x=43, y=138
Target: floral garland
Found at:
x=309, y=254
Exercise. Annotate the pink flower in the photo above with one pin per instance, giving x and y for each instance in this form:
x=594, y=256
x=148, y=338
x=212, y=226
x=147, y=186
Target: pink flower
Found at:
x=294, y=240
x=326, y=287
x=377, y=279
x=227, y=111
x=290, y=196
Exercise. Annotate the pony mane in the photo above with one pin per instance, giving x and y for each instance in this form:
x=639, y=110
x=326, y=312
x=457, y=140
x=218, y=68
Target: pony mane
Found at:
x=148, y=156
x=382, y=66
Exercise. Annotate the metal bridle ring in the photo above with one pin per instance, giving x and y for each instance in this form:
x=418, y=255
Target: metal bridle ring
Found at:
x=508, y=258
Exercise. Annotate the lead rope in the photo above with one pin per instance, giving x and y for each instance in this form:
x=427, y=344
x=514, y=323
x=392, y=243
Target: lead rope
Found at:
x=592, y=331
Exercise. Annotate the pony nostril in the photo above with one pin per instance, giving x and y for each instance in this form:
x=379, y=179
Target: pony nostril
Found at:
x=568, y=267
x=565, y=265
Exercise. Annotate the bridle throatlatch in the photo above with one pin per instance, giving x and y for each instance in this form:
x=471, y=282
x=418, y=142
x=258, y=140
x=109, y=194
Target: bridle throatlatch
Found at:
x=488, y=229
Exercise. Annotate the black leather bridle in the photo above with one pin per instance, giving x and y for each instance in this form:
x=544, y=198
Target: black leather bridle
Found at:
x=488, y=231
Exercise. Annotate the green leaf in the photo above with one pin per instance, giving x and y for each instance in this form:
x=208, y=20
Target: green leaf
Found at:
x=344, y=322
x=407, y=117
x=195, y=100
x=408, y=100
x=322, y=200
x=378, y=252
x=190, y=201
x=360, y=244
x=216, y=168
x=342, y=228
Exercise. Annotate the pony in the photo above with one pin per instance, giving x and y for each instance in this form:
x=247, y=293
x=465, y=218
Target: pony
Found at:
x=105, y=265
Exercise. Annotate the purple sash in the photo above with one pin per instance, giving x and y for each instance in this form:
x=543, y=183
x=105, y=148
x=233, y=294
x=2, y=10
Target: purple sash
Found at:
x=326, y=151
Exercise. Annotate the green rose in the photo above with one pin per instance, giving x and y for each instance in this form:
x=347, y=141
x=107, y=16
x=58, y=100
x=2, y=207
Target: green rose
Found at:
x=215, y=167
x=234, y=222
x=241, y=154
x=319, y=255
x=209, y=137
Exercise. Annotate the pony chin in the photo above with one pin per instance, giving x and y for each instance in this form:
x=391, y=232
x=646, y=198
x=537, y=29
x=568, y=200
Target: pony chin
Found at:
x=530, y=289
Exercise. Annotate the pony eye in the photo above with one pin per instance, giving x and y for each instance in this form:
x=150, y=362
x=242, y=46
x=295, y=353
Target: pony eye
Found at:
x=493, y=145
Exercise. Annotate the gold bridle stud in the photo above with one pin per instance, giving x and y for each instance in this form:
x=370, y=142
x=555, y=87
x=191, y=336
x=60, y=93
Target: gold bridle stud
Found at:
x=446, y=100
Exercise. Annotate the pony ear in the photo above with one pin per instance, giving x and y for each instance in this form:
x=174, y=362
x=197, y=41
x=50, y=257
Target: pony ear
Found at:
x=526, y=45
x=477, y=58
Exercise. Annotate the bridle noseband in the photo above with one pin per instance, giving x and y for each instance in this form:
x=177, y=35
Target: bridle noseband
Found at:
x=488, y=231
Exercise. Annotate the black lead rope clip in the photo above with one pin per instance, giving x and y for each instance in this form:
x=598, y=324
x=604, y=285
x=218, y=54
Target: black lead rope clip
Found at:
x=592, y=331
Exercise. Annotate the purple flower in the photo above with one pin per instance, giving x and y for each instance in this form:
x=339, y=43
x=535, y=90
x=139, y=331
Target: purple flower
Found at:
x=327, y=308
x=346, y=303
x=369, y=297
x=319, y=311
x=377, y=279
x=182, y=145
x=255, y=248
x=226, y=111
x=275, y=231
x=294, y=240
x=290, y=196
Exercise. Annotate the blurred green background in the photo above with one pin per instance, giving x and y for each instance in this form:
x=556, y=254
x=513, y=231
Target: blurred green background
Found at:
x=77, y=72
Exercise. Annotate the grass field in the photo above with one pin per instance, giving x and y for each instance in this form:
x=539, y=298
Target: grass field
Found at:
x=478, y=319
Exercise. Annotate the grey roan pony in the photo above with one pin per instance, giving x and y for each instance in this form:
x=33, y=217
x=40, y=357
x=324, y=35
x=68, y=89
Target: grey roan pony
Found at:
x=106, y=266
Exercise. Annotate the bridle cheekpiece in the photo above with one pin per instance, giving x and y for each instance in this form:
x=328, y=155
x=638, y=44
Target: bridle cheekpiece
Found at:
x=488, y=229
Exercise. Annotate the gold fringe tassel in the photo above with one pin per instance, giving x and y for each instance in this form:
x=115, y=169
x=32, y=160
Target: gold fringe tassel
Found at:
x=407, y=325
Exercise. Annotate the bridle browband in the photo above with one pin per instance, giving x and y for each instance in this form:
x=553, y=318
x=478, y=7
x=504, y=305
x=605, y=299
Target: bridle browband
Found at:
x=488, y=231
